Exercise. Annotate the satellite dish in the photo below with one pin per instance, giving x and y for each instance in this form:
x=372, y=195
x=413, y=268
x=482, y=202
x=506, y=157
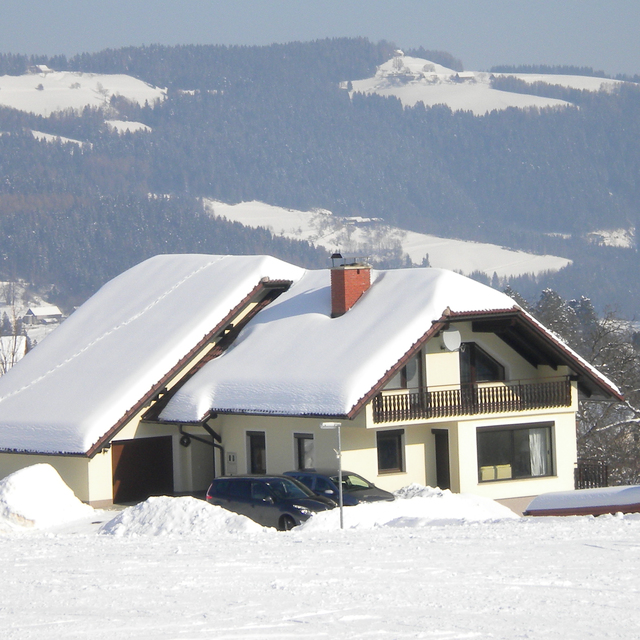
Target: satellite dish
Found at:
x=451, y=340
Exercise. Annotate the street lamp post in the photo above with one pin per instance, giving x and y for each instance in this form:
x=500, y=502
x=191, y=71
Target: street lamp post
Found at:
x=337, y=425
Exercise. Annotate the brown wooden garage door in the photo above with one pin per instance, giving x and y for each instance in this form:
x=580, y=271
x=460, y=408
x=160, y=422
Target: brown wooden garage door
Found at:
x=142, y=468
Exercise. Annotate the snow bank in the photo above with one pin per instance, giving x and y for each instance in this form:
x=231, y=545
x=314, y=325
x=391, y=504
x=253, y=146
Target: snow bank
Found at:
x=416, y=506
x=163, y=516
x=603, y=497
x=38, y=497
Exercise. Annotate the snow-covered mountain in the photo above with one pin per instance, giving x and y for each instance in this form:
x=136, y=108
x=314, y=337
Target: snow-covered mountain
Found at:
x=371, y=237
x=414, y=80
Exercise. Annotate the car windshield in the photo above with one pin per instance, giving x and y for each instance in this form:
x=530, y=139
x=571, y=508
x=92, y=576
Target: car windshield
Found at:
x=352, y=482
x=285, y=488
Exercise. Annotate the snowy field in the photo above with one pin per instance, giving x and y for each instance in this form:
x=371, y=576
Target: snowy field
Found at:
x=47, y=91
x=371, y=237
x=434, y=565
x=414, y=80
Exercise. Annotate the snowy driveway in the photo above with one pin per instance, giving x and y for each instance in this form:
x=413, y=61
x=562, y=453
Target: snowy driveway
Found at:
x=545, y=578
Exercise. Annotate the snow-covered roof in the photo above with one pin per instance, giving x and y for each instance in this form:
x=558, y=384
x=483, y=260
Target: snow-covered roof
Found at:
x=44, y=311
x=325, y=365
x=75, y=390
x=77, y=384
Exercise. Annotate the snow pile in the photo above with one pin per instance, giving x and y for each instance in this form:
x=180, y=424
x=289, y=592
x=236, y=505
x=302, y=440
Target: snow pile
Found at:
x=163, y=516
x=415, y=506
x=37, y=496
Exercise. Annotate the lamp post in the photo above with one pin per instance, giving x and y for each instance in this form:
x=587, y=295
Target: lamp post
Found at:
x=337, y=425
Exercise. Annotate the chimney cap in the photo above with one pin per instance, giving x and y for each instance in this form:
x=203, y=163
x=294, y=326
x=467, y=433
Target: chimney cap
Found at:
x=356, y=261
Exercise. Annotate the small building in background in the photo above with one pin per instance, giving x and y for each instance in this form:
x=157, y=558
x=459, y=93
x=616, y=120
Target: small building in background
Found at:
x=42, y=315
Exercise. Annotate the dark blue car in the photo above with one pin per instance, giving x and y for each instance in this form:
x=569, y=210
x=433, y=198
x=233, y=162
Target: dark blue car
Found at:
x=355, y=489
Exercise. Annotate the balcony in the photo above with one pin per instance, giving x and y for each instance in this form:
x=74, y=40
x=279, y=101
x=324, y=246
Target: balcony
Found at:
x=424, y=404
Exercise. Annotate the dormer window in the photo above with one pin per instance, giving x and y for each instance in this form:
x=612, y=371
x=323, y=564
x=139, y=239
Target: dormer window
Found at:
x=476, y=365
x=409, y=377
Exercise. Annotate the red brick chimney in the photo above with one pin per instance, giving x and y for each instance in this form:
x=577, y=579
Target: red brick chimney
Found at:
x=348, y=283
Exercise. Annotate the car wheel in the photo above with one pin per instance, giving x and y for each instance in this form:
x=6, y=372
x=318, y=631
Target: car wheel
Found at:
x=287, y=523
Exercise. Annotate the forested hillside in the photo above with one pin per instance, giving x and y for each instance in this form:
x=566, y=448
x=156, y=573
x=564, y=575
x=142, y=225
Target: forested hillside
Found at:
x=272, y=124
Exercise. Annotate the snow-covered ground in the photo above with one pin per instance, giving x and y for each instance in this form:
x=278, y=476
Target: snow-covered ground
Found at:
x=179, y=568
x=47, y=91
x=414, y=80
x=371, y=237
x=623, y=238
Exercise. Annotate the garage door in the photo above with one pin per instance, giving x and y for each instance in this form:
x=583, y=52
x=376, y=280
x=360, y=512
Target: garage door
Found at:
x=142, y=468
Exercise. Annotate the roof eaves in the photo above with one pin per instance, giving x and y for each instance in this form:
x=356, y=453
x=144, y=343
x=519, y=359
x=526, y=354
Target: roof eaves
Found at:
x=562, y=350
x=435, y=328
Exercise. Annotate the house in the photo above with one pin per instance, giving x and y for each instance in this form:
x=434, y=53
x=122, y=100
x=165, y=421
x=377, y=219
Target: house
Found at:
x=42, y=315
x=190, y=366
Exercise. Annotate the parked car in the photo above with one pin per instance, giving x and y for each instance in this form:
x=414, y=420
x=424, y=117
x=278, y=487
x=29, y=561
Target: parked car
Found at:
x=272, y=501
x=355, y=489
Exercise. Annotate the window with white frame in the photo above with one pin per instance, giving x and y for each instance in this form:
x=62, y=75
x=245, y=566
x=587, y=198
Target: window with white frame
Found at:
x=520, y=451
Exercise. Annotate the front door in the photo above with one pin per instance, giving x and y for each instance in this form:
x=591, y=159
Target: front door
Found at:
x=443, y=473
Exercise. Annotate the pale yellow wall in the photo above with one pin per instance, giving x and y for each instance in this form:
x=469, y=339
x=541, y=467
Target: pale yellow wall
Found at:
x=442, y=367
x=100, y=479
x=280, y=445
x=73, y=470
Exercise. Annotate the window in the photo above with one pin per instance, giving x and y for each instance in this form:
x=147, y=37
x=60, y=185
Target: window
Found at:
x=476, y=365
x=257, y=452
x=390, y=449
x=514, y=452
x=304, y=451
x=409, y=377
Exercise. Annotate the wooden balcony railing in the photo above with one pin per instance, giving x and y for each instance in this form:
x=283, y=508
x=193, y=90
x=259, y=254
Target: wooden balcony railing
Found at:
x=470, y=400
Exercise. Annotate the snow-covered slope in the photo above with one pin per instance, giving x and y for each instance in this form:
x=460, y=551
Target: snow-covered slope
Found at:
x=45, y=91
x=414, y=80
x=371, y=237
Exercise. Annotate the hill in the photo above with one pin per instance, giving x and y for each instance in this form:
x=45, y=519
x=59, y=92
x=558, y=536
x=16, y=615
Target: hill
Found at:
x=272, y=124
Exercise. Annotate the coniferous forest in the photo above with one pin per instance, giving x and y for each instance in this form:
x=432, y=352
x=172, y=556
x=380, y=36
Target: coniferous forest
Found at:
x=272, y=124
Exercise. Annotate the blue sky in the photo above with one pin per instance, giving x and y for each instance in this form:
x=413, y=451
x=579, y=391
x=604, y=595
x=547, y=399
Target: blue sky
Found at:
x=598, y=33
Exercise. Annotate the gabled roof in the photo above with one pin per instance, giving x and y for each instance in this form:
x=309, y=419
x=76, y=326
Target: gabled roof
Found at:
x=41, y=312
x=117, y=353
x=120, y=347
x=294, y=359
